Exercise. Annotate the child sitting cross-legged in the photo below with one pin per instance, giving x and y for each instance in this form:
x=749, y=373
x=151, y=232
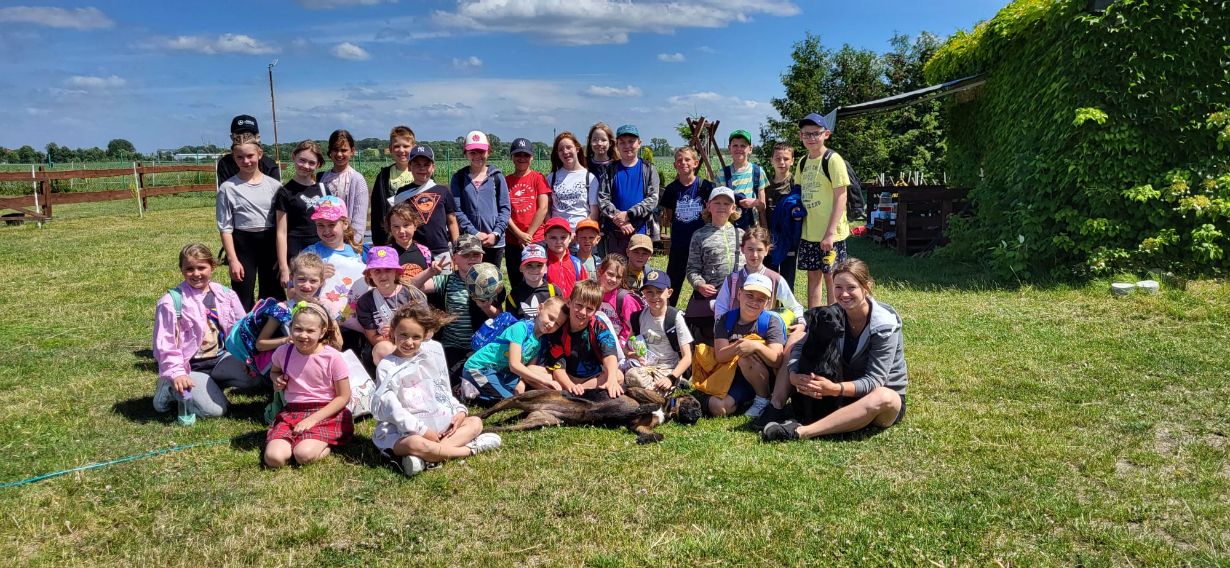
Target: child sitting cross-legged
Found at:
x=420, y=423
x=505, y=366
x=583, y=355
x=667, y=342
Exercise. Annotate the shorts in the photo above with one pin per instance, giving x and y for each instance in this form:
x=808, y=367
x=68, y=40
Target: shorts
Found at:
x=492, y=385
x=740, y=390
x=811, y=257
x=335, y=430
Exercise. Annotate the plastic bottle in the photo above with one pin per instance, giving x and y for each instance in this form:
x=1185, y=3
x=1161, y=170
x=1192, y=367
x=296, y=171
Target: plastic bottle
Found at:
x=186, y=416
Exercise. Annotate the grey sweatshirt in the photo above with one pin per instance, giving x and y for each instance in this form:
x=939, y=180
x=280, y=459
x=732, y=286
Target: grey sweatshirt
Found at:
x=879, y=359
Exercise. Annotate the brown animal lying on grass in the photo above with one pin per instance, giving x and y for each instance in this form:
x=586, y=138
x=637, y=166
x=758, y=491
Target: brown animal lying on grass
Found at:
x=640, y=410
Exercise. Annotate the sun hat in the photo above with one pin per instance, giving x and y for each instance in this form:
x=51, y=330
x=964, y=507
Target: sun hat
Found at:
x=722, y=191
x=329, y=208
x=244, y=124
x=466, y=244
x=588, y=224
x=640, y=241
x=759, y=283
x=657, y=279
x=740, y=133
x=424, y=151
x=627, y=130
x=521, y=146
x=533, y=253
x=556, y=223
x=476, y=140
x=382, y=257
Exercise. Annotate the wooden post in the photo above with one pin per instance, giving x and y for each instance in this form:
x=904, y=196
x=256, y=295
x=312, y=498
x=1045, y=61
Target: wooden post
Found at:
x=44, y=187
x=140, y=184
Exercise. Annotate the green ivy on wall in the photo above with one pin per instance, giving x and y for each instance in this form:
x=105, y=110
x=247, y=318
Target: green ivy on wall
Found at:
x=1100, y=141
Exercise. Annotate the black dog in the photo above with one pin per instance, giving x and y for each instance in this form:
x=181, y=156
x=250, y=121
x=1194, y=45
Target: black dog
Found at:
x=821, y=356
x=640, y=410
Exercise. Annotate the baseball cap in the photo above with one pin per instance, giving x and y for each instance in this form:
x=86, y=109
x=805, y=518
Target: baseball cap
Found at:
x=477, y=140
x=722, y=191
x=556, y=223
x=627, y=130
x=330, y=208
x=244, y=124
x=640, y=241
x=759, y=283
x=816, y=119
x=521, y=146
x=657, y=279
x=533, y=253
x=382, y=257
x=420, y=150
x=466, y=244
x=588, y=224
x=740, y=133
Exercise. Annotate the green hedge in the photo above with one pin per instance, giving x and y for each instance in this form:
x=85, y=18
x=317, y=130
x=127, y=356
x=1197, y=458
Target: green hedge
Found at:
x=1099, y=143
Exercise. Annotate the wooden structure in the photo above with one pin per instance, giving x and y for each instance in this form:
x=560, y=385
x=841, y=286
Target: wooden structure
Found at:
x=37, y=206
x=921, y=217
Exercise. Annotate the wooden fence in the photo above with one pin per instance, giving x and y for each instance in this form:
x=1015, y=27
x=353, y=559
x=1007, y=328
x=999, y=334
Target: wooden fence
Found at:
x=37, y=206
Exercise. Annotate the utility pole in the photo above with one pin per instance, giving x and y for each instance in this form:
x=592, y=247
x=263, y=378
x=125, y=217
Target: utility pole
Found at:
x=273, y=105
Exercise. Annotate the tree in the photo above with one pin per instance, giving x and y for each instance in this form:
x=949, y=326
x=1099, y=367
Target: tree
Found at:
x=28, y=155
x=120, y=148
x=660, y=146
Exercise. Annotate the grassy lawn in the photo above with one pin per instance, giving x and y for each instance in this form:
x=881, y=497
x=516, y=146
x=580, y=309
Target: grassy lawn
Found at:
x=1046, y=426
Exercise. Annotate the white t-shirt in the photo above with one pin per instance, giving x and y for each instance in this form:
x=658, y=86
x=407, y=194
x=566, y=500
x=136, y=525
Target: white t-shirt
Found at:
x=574, y=193
x=658, y=349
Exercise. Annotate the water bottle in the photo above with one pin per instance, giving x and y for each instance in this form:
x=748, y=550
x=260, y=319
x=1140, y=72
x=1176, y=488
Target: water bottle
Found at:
x=186, y=416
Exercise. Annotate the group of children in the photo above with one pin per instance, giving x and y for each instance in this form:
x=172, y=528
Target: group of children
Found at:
x=585, y=311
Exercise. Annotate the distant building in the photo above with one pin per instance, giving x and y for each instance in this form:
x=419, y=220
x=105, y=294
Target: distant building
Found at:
x=197, y=156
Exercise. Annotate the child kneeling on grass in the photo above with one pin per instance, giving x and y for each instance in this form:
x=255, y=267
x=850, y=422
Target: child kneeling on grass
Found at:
x=317, y=383
x=504, y=367
x=420, y=422
x=582, y=355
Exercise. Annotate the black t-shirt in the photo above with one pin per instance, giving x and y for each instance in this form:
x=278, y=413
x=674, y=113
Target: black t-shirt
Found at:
x=687, y=203
x=298, y=201
x=227, y=168
x=434, y=205
x=523, y=300
x=411, y=260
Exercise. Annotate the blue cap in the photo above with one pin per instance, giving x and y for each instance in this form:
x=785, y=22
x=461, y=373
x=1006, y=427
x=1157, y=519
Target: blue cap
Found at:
x=657, y=279
x=816, y=119
x=627, y=130
x=522, y=146
x=424, y=151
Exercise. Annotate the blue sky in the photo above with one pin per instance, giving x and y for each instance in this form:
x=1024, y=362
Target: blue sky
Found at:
x=164, y=74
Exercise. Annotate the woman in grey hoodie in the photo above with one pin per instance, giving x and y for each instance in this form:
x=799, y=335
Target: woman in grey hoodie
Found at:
x=873, y=356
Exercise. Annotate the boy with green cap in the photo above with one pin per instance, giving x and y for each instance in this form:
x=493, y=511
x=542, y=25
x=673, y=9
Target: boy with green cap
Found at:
x=748, y=181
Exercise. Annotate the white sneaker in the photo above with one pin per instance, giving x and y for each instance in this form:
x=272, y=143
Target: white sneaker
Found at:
x=164, y=401
x=412, y=465
x=484, y=442
x=757, y=407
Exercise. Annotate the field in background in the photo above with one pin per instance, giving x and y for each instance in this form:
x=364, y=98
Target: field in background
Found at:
x=1046, y=426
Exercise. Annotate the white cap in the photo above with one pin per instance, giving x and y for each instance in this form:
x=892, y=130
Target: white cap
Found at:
x=723, y=190
x=759, y=283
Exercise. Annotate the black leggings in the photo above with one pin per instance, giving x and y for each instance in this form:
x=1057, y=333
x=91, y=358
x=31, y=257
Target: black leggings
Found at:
x=257, y=252
x=676, y=268
x=512, y=257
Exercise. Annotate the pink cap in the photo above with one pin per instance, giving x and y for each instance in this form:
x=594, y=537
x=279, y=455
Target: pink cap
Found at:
x=476, y=140
x=329, y=208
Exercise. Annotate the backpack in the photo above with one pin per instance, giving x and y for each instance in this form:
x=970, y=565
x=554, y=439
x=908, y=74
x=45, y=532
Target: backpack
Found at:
x=763, y=322
x=728, y=171
x=491, y=329
x=668, y=325
x=621, y=295
x=856, y=198
x=240, y=341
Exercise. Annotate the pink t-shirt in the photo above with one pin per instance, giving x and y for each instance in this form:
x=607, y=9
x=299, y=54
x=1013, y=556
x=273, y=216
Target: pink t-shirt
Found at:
x=310, y=378
x=620, y=318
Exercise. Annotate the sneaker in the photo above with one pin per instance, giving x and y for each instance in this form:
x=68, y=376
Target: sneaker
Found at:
x=780, y=431
x=770, y=414
x=757, y=407
x=484, y=442
x=164, y=401
x=412, y=465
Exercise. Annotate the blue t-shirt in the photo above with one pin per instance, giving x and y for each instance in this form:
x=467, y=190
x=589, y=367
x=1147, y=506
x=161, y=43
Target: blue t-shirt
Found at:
x=494, y=355
x=628, y=187
x=324, y=252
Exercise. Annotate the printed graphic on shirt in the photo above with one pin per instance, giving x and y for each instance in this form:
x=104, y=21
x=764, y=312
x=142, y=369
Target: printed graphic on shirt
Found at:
x=529, y=306
x=425, y=203
x=568, y=193
x=310, y=202
x=688, y=208
x=523, y=199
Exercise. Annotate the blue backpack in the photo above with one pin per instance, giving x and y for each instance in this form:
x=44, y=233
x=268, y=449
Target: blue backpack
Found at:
x=491, y=330
x=763, y=322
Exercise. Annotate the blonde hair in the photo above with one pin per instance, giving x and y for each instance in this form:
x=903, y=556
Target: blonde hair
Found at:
x=307, y=261
x=858, y=270
x=688, y=150
x=243, y=138
x=331, y=336
x=552, y=302
x=401, y=131
x=586, y=292
x=735, y=213
x=196, y=251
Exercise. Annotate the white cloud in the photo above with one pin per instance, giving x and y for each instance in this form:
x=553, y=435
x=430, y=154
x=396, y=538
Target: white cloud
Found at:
x=706, y=49
x=331, y=4
x=347, y=50
x=671, y=57
x=78, y=19
x=589, y=22
x=604, y=91
x=471, y=62
x=225, y=43
x=86, y=82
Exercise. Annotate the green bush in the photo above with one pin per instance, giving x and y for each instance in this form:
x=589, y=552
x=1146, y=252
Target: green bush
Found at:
x=1100, y=141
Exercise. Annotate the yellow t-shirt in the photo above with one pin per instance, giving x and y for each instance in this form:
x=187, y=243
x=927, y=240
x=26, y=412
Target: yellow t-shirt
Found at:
x=399, y=179
x=818, y=196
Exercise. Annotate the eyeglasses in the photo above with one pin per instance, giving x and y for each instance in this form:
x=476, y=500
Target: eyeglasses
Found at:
x=810, y=135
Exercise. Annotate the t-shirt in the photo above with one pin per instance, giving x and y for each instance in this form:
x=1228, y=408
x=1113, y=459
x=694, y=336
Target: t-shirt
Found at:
x=456, y=301
x=494, y=355
x=523, y=300
x=562, y=272
x=776, y=333
x=298, y=201
x=658, y=350
x=573, y=194
x=574, y=352
x=434, y=204
x=687, y=203
x=741, y=182
x=243, y=206
x=523, y=192
x=620, y=312
x=325, y=253
x=776, y=191
x=310, y=378
x=628, y=185
x=414, y=259
x=375, y=315
x=818, y=196
x=399, y=179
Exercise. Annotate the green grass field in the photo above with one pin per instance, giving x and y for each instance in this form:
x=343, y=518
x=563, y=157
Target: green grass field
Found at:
x=1047, y=426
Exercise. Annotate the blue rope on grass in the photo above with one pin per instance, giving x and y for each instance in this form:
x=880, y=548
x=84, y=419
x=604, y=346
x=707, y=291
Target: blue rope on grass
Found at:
x=98, y=465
